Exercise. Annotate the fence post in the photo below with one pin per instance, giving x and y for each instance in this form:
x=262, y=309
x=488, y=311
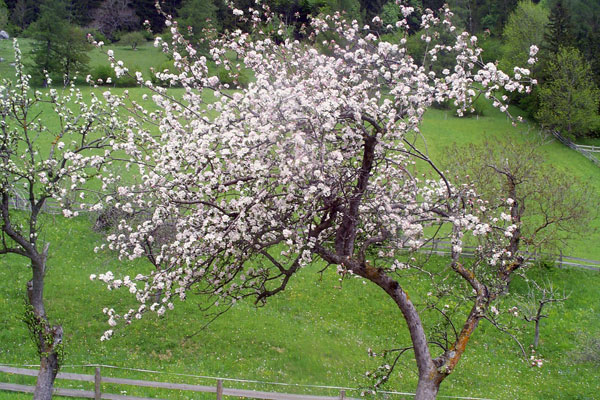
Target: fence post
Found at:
x=560, y=262
x=219, y=389
x=342, y=394
x=97, y=382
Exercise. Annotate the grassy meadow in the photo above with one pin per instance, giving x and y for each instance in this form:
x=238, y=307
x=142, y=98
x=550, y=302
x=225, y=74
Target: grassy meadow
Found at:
x=315, y=333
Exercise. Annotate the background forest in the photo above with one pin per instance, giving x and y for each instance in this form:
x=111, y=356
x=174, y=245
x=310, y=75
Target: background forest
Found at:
x=566, y=31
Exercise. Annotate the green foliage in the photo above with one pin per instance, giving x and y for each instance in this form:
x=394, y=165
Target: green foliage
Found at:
x=73, y=51
x=350, y=9
x=239, y=79
x=525, y=27
x=48, y=31
x=390, y=13
x=492, y=48
x=3, y=15
x=479, y=108
x=103, y=73
x=132, y=39
x=569, y=98
x=61, y=48
x=98, y=36
x=559, y=33
x=200, y=16
x=167, y=65
x=545, y=262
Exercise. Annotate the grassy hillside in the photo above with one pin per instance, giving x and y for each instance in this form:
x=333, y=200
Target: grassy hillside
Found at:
x=441, y=129
x=314, y=333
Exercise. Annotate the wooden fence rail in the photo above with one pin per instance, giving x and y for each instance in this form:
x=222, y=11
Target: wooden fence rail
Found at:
x=579, y=148
x=592, y=149
x=441, y=247
x=219, y=390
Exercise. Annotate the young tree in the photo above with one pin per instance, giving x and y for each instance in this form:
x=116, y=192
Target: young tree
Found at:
x=569, y=97
x=525, y=27
x=48, y=31
x=311, y=161
x=49, y=146
x=73, y=54
x=132, y=39
x=551, y=206
x=537, y=298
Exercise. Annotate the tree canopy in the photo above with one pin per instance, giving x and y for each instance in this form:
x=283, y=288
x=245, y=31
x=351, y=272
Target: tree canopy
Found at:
x=311, y=162
x=569, y=98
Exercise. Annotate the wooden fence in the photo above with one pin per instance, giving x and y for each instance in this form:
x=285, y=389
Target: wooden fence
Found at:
x=219, y=390
x=579, y=148
x=441, y=247
x=591, y=149
x=18, y=201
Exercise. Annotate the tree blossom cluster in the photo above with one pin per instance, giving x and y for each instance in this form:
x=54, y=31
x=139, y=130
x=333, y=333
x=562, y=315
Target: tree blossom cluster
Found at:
x=40, y=162
x=315, y=159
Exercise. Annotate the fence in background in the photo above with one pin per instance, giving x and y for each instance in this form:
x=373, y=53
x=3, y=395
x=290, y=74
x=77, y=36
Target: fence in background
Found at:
x=591, y=149
x=582, y=149
x=19, y=201
x=441, y=247
x=218, y=389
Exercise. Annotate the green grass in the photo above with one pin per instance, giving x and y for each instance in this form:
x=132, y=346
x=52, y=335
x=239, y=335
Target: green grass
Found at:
x=441, y=129
x=314, y=333
x=146, y=56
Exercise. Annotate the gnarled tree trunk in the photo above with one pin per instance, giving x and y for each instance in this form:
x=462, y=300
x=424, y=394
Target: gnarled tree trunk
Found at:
x=48, y=338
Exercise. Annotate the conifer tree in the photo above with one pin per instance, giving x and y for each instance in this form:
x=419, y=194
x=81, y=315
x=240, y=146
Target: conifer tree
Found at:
x=559, y=33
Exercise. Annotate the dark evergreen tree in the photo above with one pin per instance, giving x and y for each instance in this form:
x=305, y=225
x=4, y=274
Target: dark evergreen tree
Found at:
x=48, y=31
x=60, y=47
x=82, y=11
x=23, y=13
x=559, y=33
x=569, y=98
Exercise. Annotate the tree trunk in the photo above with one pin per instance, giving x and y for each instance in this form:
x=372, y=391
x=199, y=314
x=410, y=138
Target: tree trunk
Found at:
x=48, y=338
x=427, y=388
x=45, y=381
x=536, y=339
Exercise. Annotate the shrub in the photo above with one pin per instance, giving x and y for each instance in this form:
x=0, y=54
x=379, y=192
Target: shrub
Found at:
x=132, y=39
x=478, y=108
x=98, y=36
x=102, y=74
x=236, y=79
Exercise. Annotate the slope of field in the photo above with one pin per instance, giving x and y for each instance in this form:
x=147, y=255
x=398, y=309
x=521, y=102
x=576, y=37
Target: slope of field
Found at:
x=314, y=333
x=319, y=330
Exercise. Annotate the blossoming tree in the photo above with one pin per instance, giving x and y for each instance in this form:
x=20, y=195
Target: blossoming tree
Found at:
x=50, y=144
x=314, y=160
